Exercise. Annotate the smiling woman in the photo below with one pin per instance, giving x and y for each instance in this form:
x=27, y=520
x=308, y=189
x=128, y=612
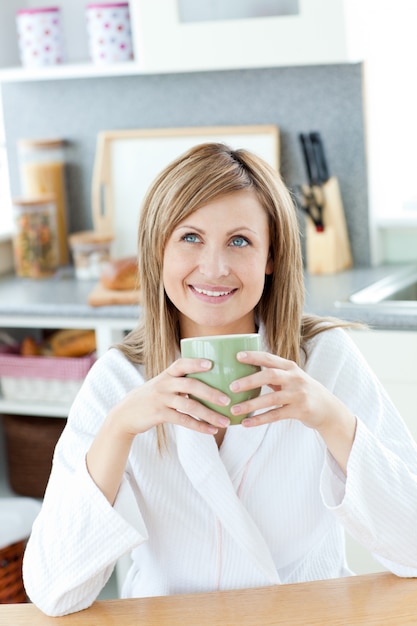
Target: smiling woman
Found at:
x=147, y=463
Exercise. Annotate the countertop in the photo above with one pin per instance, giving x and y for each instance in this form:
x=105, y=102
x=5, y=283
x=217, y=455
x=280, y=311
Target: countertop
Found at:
x=65, y=296
x=371, y=599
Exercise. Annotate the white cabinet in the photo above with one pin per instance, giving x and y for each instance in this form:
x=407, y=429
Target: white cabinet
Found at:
x=392, y=354
x=393, y=357
x=320, y=32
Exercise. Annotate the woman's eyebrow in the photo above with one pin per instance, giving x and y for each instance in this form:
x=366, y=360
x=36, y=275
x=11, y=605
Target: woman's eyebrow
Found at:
x=236, y=229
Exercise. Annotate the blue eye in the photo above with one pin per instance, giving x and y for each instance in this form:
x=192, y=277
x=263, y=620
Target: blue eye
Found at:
x=240, y=242
x=191, y=238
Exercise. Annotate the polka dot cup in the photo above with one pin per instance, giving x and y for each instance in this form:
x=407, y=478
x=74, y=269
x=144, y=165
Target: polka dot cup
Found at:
x=109, y=32
x=40, y=36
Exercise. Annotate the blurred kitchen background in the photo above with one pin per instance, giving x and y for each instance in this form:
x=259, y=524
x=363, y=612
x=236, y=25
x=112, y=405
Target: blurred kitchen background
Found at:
x=343, y=67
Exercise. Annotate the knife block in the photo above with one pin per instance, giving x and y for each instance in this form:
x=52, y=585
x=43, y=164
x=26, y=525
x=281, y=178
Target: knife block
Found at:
x=329, y=251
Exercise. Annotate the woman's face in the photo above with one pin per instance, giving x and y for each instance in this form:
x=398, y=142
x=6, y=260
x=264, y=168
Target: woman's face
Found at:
x=215, y=263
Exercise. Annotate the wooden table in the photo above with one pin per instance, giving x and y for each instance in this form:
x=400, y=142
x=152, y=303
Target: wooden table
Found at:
x=374, y=599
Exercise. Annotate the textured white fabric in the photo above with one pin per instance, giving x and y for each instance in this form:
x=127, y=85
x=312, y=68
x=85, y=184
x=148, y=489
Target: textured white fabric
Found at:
x=268, y=507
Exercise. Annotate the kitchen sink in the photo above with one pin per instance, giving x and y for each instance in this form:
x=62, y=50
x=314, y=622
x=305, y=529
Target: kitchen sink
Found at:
x=396, y=291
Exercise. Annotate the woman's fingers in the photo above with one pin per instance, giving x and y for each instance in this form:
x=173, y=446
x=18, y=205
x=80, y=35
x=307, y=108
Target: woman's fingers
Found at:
x=184, y=366
x=195, y=410
x=293, y=394
x=186, y=393
x=265, y=359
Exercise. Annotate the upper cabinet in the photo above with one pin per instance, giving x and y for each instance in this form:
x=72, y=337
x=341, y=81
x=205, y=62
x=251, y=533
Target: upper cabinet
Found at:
x=182, y=36
x=177, y=35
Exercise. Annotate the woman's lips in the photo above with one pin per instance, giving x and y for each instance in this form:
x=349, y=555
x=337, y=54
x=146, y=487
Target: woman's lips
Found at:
x=212, y=294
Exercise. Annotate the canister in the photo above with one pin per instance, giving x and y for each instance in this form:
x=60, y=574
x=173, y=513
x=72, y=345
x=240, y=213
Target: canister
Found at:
x=35, y=242
x=91, y=251
x=109, y=32
x=40, y=36
x=42, y=170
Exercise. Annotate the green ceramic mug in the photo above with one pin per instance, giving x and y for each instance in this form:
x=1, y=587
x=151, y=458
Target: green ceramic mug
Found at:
x=222, y=350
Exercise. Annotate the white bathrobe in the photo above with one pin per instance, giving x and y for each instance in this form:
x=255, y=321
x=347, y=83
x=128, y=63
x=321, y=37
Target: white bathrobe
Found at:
x=269, y=507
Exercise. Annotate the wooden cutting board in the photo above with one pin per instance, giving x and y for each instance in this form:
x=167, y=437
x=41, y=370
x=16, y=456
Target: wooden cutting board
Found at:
x=100, y=296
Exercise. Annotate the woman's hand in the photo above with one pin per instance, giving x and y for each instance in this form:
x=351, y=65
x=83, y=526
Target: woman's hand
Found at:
x=295, y=395
x=163, y=399
x=167, y=399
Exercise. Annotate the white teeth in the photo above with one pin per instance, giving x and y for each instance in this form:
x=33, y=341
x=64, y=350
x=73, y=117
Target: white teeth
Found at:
x=211, y=293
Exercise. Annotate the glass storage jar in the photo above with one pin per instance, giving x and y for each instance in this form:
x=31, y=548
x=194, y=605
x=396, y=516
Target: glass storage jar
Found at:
x=35, y=242
x=91, y=251
x=42, y=171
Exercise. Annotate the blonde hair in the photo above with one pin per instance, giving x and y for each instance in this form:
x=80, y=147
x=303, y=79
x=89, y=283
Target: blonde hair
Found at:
x=199, y=176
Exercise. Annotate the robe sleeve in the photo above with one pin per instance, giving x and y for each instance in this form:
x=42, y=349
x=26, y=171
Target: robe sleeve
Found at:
x=78, y=536
x=377, y=500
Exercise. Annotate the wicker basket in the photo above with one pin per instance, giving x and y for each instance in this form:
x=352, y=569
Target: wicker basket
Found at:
x=30, y=443
x=12, y=590
x=46, y=379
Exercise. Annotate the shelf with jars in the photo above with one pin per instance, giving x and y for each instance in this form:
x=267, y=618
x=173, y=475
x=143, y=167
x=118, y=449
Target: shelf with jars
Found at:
x=168, y=36
x=72, y=39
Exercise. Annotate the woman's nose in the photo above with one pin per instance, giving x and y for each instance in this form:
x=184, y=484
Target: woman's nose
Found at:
x=213, y=262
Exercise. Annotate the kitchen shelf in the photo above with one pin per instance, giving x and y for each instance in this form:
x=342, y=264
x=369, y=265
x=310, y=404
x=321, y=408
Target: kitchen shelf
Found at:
x=40, y=409
x=69, y=71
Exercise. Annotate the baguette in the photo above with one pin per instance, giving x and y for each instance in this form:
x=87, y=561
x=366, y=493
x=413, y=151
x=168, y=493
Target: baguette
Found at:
x=72, y=342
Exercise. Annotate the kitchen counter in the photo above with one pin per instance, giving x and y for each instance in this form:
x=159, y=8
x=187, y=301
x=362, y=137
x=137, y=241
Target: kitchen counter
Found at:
x=66, y=297
x=329, y=295
x=372, y=599
x=61, y=295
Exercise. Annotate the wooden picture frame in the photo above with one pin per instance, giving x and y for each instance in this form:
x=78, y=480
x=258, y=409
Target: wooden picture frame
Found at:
x=127, y=161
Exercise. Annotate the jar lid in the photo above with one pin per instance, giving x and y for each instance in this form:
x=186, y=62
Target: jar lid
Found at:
x=105, y=5
x=41, y=143
x=46, y=198
x=37, y=10
x=90, y=236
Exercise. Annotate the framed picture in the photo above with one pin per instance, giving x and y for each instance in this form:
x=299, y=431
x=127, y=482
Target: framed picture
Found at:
x=193, y=35
x=127, y=161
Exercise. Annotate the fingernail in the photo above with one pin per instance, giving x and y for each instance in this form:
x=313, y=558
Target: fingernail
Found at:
x=234, y=386
x=242, y=355
x=224, y=421
x=205, y=364
x=212, y=430
x=225, y=400
x=236, y=409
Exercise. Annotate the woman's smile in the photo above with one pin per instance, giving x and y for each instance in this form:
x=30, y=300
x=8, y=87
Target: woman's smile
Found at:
x=212, y=294
x=215, y=263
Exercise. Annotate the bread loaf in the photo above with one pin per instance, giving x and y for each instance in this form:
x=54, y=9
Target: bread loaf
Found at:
x=72, y=342
x=29, y=347
x=120, y=274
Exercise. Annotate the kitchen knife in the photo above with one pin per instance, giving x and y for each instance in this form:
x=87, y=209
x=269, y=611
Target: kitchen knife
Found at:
x=313, y=197
x=319, y=157
x=309, y=159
